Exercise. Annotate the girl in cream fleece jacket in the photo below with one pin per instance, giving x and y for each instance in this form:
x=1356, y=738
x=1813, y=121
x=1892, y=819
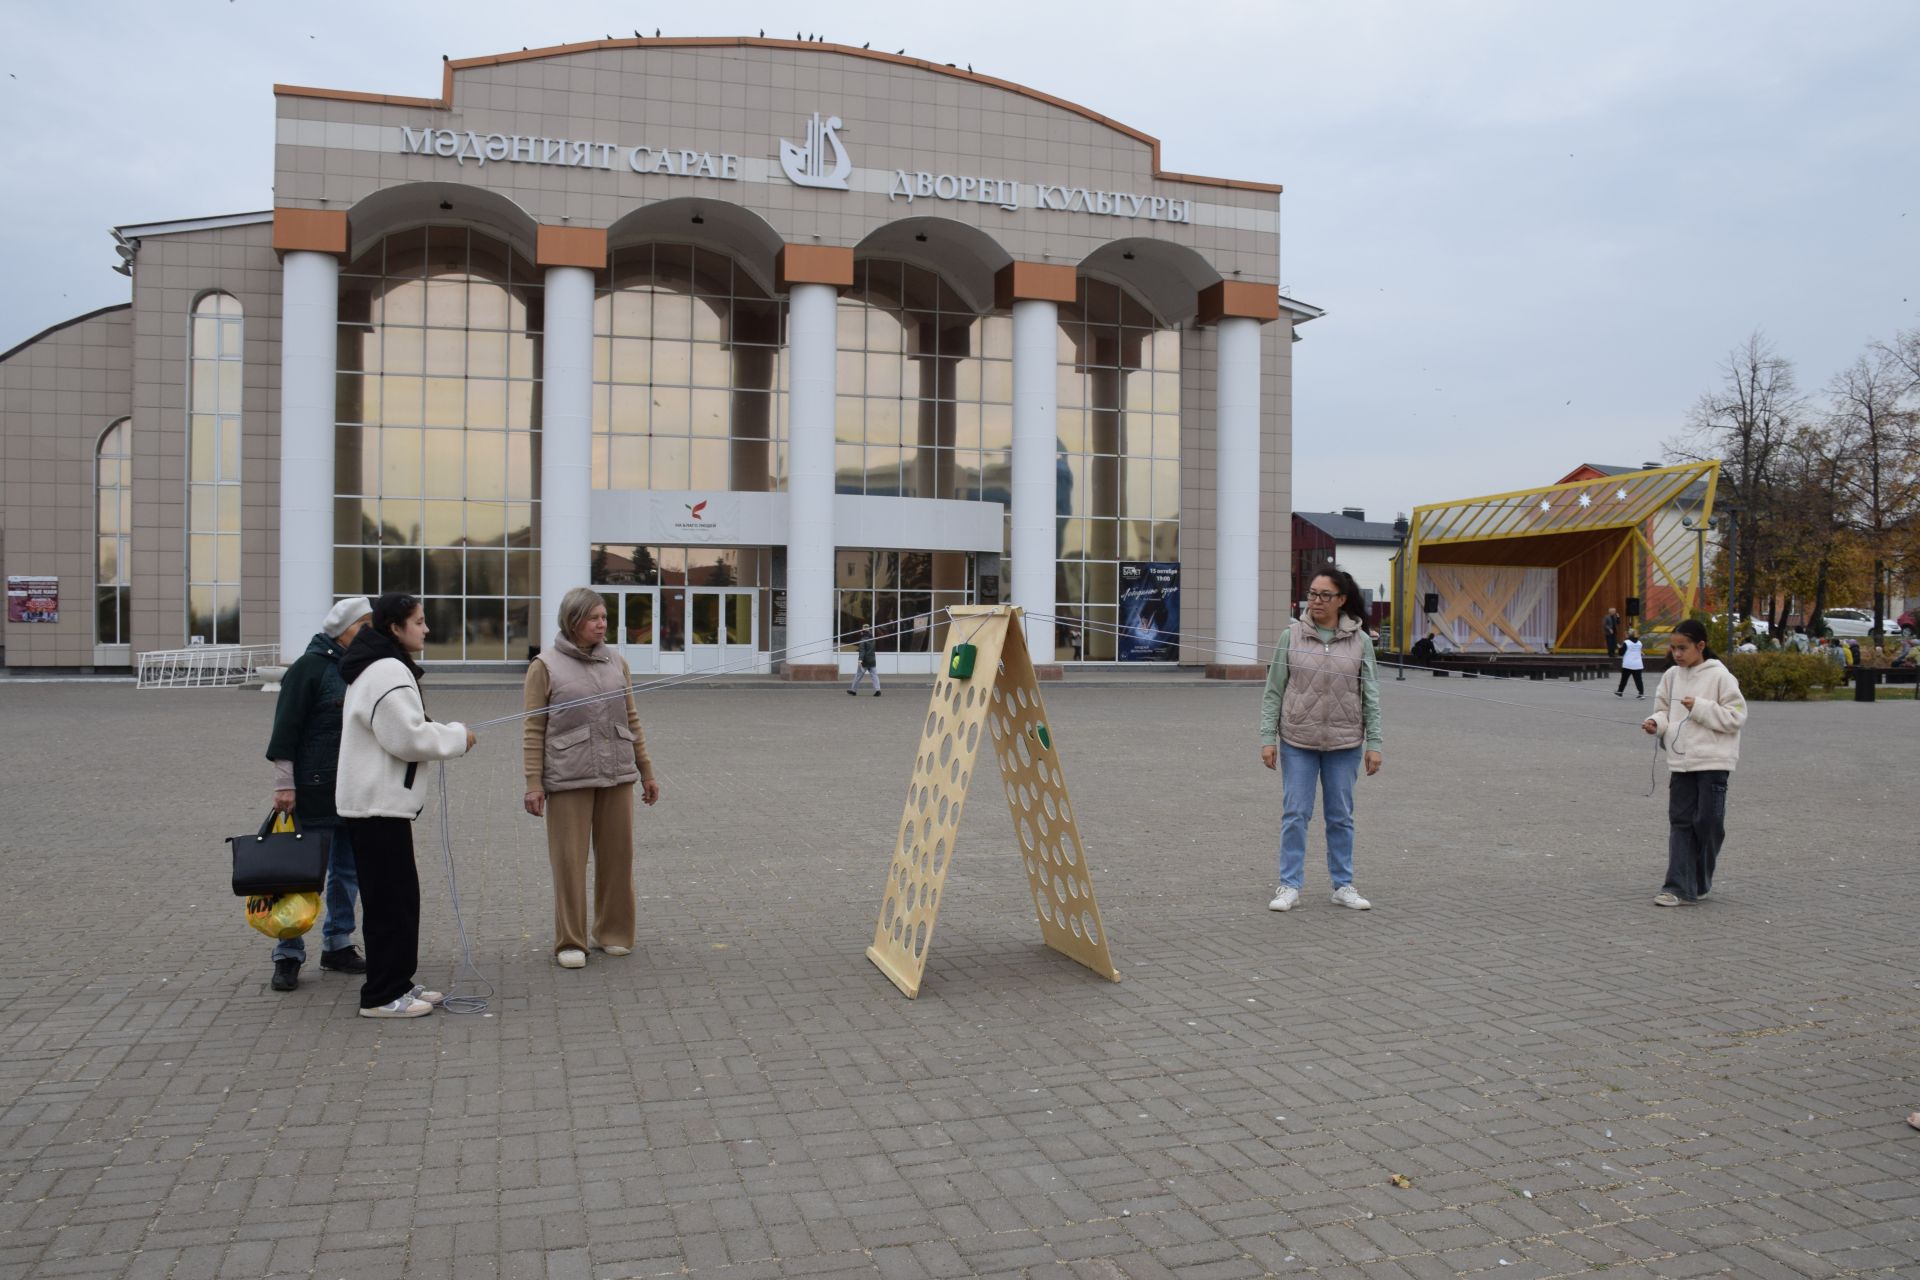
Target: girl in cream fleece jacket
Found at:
x=1698, y=711
x=385, y=737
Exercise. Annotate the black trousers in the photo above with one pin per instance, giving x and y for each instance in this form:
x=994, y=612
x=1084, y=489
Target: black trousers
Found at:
x=389, y=906
x=1696, y=826
x=1638, y=686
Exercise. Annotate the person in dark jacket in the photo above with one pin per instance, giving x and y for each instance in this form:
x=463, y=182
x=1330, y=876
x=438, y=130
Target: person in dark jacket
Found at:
x=305, y=751
x=868, y=664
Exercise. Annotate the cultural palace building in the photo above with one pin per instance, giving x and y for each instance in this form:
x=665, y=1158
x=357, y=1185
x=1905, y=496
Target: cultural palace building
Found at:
x=765, y=339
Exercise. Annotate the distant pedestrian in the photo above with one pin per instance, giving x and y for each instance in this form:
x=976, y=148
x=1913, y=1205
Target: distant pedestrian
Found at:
x=385, y=737
x=1319, y=722
x=1698, y=710
x=1632, y=663
x=867, y=664
x=305, y=751
x=1611, y=625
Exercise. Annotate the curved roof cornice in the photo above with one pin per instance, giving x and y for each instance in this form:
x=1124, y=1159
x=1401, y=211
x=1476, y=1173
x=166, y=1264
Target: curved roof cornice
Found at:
x=445, y=101
x=52, y=329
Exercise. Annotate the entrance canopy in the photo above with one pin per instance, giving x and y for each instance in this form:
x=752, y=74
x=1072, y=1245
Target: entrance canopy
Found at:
x=1535, y=571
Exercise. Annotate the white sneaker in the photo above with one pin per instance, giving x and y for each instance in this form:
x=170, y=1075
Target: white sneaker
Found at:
x=1348, y=896
x=572, y=958
x=404, y=1007
x=1285, y=899
x=618, y=951
x=433, y=998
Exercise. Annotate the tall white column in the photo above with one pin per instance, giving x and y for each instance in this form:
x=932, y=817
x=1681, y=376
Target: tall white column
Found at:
x=309, y=323
x=1236, y=566
x=566, y=442
x=813, y=360
x=1035, y=449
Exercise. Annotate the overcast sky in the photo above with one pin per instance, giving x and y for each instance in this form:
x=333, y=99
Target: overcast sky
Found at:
x=1535, y=227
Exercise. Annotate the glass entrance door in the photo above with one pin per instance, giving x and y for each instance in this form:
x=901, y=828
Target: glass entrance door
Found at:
x=720, y=627
x=633, y=628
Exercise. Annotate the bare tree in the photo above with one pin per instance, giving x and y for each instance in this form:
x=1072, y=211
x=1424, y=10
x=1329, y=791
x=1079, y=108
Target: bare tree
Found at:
x=1811, y=519
x=1877, y=429
x=1745, y=422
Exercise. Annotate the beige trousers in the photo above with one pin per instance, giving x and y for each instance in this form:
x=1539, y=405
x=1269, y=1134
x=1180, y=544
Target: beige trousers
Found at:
x=600, y=818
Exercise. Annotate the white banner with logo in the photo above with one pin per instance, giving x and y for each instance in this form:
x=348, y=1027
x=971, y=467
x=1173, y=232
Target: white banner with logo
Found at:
x=696, y=517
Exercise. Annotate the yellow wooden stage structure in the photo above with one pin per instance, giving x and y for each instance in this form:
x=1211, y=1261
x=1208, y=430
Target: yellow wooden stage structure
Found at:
x=1535, y=571
x=987, y=695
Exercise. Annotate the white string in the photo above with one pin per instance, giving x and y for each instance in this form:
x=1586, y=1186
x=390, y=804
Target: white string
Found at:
x=478, y=1003
x=457, y=1003
x=1295, y=658
x=742, y=667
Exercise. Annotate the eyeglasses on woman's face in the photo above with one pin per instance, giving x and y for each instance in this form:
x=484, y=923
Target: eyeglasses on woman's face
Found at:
x=1324, y=596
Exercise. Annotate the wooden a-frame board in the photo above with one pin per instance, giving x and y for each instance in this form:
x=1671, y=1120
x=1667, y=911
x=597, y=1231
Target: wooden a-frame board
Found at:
x=999, y=707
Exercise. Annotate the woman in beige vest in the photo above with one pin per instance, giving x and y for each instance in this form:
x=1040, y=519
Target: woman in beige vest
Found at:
x=1319, y=725
x=582, y=758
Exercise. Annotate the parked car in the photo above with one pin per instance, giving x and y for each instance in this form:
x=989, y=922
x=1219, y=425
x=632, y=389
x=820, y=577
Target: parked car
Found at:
x=1849, y=624
x=1743, y=625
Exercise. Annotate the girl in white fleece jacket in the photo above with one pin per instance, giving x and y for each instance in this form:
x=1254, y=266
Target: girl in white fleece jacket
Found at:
x=385, y=736
x=1700, y=709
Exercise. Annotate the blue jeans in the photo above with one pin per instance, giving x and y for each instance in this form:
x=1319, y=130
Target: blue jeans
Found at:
x=343, y=889
x=1334, y=771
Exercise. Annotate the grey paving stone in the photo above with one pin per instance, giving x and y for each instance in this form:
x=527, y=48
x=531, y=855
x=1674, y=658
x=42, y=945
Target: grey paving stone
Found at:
x=1684, y=1093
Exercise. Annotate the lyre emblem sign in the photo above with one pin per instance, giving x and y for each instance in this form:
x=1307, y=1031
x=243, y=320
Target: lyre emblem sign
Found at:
x=807, y=165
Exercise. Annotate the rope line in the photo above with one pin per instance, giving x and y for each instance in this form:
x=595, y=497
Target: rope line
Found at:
x=1293, y=659
x=476, y=1002
x=744, y=666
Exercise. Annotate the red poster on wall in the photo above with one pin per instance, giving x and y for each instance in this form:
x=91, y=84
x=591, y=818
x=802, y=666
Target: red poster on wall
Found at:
x=33, y=599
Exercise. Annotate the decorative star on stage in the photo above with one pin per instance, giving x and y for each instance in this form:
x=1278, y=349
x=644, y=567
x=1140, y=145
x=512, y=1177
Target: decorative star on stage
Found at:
x=1585, y=501
x=1545, y=505
x=1621, y=494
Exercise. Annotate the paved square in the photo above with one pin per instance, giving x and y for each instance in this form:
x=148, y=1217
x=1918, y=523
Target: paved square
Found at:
x=1571, y=1079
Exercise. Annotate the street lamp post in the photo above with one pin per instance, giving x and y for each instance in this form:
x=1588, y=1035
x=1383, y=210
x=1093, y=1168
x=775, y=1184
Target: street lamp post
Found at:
x=1700, y=528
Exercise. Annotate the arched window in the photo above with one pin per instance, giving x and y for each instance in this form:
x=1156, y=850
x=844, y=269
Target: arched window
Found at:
x=1118, y=462
x=435, y=457
x=925, y=410
x=689, y=373
x=113, y=534
x=213, y=471
x=925, y=390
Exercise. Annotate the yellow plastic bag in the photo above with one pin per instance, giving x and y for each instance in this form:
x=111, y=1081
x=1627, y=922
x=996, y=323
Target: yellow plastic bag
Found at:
x=283, y=915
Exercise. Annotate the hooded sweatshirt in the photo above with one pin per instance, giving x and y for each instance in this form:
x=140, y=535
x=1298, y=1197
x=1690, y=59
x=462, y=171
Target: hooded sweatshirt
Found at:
x=385, y=733
x=1708, y=736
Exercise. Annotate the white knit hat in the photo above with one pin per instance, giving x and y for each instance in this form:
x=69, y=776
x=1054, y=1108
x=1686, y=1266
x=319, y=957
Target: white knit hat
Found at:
x=345, y=614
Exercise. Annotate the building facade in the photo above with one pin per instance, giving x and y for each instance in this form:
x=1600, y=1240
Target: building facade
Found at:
x=767, y=340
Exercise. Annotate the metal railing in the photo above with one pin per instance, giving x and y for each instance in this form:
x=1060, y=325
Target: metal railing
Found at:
x=205, y=666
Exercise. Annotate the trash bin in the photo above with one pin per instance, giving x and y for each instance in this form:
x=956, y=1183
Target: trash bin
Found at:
x=1864, y=684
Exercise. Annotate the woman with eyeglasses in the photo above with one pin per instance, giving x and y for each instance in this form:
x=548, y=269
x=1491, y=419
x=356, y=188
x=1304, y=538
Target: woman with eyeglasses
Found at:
x=1319, y=723
x=1699, y=710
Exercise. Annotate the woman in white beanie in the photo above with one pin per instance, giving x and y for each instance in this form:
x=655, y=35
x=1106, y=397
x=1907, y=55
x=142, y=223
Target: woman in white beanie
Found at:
x=385, y=737
x=305, y=751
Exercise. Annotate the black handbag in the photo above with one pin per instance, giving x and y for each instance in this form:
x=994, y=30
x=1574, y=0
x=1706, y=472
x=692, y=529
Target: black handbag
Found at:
x=289, y=861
